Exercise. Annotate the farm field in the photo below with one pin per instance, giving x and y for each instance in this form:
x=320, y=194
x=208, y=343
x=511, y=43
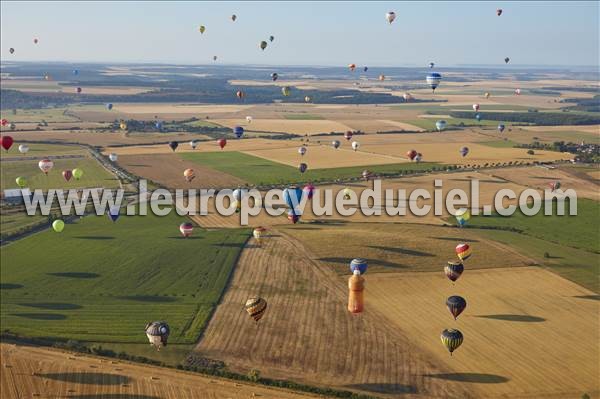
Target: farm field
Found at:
x=507, y=325
x=31, y=371
x=294, y=126
x=87, y=284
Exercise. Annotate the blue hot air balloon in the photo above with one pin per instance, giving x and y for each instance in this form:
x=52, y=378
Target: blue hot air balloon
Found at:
x=238, y=131
x=292, y=196
x=114, y=213
x=501, y=127
x=478, y=117
x=158, y=125
x=109, y=106
x=365, y=69
x=440, y=125
x=433, y=80
x=358, y=264
x=302, y=167
x=75, y=71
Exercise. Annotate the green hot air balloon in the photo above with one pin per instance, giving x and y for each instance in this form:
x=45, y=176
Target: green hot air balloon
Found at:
x=58, y=225
x=21, y=181
x=77, y=173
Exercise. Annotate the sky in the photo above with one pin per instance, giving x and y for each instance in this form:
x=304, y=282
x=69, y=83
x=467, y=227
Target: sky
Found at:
x=306, y=33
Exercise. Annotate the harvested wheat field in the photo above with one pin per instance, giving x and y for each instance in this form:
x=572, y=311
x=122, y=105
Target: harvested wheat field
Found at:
x=541, y=177
x=448, y=136
x=516, y=321
x=167, y=170
x=308, y=335
x=294, y=126
x=48, y=373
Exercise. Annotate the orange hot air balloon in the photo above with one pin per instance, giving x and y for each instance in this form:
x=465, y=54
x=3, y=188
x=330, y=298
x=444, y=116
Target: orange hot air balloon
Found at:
x=356, y=295
x=382, y=77
x=352, y=67
x=189, y=175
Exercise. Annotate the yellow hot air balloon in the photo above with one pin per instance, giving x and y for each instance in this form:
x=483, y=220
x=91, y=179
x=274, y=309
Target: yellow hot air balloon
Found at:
x=451, y=339
x=257, y=233
x=286, y=91
x=123, y=126
x=189, y=175
x=487, y=95
x=256, y=307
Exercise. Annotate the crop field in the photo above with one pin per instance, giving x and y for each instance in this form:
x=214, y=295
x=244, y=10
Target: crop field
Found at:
x=515, y=321
x=87, y=284
x=37, y=115
x=94, y=175
x=31, y=372
x=294, y=126
x=308, y=335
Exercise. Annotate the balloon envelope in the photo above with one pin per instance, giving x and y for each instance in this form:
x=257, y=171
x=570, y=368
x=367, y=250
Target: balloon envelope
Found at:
x=23, y=148
x=67, y=174
x=440, y=125
x=453, y=270
x=21, y=181
x=6, y=141
x=451, y=339
x=358, y=264
x=256, y=307
x=45, y=165
x=238, y=131
x=58, y=225
x=433, y=80
x=456, y=304
x=173, y=145
x=77, y=173
x=463, y=251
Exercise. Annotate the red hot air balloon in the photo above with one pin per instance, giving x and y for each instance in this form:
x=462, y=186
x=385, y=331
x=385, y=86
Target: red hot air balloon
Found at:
x=6, y=141
x=348, y=135
x=463, y=251
x=222, y=143
x=240, y=94
x=67, y=174
x=411, y=154
x=453, y=270
x=78, y=90
x=186, y=229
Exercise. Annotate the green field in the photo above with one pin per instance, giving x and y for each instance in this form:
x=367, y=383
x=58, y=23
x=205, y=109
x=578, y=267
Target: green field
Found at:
x=429, y=123
x=304, y=117
x=43, y=150
x=259, y=171
x=12, y=222
x=89, y=283
x=499, y=143
x=37, y=115
x=201, y=123
x=94, y=175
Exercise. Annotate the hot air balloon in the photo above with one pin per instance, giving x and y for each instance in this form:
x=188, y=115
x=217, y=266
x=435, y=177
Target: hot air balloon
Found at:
x=418, y=157
x=35, y=41
x=78, y=90
x=189, y=175
x=123, y=126
x=113, y=213
x=356, y=292
x=13, y=126
x=307, y=99
x=45, y=165
x=157, y=333
x=302, y=150
x=390, y=16
x=440, y=125
x=352, y=67
x=518, y=92
x=462, y=216
x=453, y=270
x=506, y=60
x=21, y=181
x=271, y=38
x=433, y=80
x=411, y=154
x=238, y=131
x=478, y=117
x=487, y=95
x=555, y=185
x=233, y=17
x=214, y=57
x=256, y=307
x=6, y=142
x=77, y=173
x=348, y=193
x=335, y=144
x=222, y=143
x=293, y=216
x=365, y=69
x=358, y=264
x=47, y=77
x=302, y=167
x=475, y=107
x=186, y=229
x=257, y=233
x=75, y=72
x=451, y=339
x=407, y=97
x=348, y=135
x=158, y=125
x=499, y=12
x=4, y=122
x=292, y=196
x=355, y=145
x=456, y=304
x=249, y=119
x=308, y=191
x=286, y=90
x=194, y=144
x=431, y=65
x=382, y=77
x=464, y=151
x=113, y=157
x=202, y=28
x=109, y=106
x=274, y=76
x=366, y=174
x=463, y=251
x=67, y=174
x=501, y=127
x=263, y=45
x=58, y=225
x=240, y=94
x=11, y=50
x=173, y=145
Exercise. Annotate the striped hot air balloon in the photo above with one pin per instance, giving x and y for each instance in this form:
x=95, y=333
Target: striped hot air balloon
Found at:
x=451, y=339
x=463, y=251
x=453, y=270
x=158, y=333
x=308, y=190
x=256, y=307
x=433, y=80
x=456, y=304
x=186, y=229
x=358, y=264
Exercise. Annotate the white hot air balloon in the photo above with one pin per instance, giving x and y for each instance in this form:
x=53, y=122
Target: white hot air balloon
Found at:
x=302, y=150
x=249, y=119
x=45, y=165
x=23, y=148
x=355, y=145
x=390, y=16
x=194, y=144
x=113, y=157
